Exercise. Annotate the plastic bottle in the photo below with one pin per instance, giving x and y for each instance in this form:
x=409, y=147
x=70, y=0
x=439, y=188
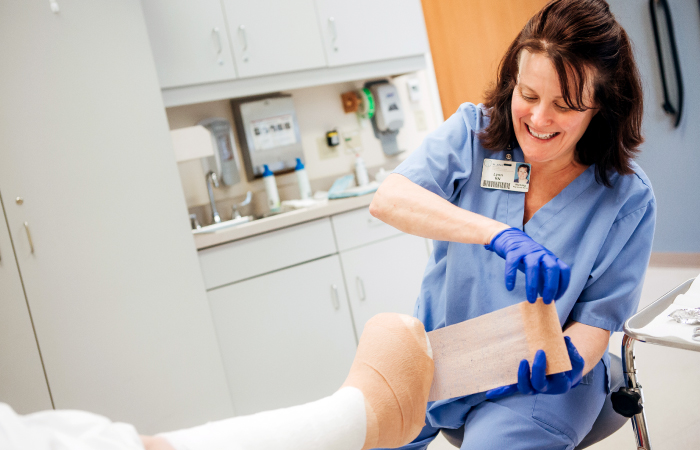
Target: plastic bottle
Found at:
x=302, y=180
x=273, y=197
x=361, y=171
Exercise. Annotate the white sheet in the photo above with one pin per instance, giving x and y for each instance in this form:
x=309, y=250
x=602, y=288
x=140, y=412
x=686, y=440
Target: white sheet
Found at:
x=64, y=430
x=667, y=328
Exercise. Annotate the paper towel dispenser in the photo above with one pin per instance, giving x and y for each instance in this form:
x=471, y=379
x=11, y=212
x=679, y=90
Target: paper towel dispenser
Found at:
x=268, y=133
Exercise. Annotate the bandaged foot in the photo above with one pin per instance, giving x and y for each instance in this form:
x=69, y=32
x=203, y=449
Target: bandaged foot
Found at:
x=381, y=404
x=393, y=369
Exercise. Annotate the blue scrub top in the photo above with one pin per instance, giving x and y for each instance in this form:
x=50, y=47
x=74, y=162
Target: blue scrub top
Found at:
x=603, y=233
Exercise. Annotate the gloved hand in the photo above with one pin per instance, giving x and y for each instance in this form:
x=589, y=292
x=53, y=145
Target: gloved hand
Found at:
x=540, y=383
x=544, y=272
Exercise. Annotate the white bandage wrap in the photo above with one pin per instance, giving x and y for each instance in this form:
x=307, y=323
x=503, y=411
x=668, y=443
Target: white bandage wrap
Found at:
x=338, y=422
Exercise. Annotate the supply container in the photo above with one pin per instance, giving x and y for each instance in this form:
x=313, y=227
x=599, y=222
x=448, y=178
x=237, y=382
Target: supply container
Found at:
x=273, y=197
x=302, y=180
x=361, y=171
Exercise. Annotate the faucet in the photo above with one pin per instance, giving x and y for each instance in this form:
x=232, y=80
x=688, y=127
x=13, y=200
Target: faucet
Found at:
x=212, y=179
x=248, y=198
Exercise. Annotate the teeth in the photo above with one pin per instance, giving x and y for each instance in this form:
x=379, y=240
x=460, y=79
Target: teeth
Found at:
x=540, y=136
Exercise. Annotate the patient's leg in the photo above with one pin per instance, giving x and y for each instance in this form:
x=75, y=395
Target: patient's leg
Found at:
x=381, y=404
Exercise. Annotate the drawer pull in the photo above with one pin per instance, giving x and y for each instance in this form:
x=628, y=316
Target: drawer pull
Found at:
x=334, y=296
x=360, y=288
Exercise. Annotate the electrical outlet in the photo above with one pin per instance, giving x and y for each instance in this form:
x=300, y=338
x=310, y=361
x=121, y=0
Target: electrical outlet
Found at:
x=351, y=140
x=326, y=152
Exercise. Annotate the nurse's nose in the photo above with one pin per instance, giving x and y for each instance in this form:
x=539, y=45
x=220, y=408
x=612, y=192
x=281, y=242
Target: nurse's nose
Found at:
x=541, y=116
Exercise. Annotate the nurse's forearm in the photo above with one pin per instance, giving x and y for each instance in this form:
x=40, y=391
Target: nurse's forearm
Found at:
x=590, y=342
x=415, y=210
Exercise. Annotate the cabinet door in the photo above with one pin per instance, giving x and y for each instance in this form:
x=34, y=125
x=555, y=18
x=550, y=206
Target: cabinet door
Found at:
x=107, y=259
x=370, y=30
x=273, y=36
x=188, y=40
x=384, y=276
x=22, y=381
x=286, y=337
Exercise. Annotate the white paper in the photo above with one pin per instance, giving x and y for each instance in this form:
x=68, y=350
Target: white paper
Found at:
x=273, y=132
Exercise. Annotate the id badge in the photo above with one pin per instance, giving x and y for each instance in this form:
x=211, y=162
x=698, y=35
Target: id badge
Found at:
x=505, y=175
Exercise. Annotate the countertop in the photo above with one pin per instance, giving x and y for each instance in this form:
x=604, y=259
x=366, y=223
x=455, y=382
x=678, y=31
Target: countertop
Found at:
x=282, y=220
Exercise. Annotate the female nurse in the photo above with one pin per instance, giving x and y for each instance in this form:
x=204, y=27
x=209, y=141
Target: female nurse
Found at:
x=567, y=101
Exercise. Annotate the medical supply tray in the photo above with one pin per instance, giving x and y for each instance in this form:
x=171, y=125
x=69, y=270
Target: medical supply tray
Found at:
x=634, y=327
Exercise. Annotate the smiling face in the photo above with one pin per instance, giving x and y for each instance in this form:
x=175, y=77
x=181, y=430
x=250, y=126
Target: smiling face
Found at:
x=522, y=173
x=546, y=128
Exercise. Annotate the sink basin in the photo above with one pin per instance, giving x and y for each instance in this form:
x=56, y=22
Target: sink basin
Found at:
x=223, y=225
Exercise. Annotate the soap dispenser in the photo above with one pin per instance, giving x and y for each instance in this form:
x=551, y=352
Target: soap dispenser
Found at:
x=302, y=180
x=273, y=197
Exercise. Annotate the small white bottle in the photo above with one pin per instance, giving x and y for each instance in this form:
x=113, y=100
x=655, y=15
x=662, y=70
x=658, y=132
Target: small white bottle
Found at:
x=361, y=171
x=302, y=180
x=273, y=197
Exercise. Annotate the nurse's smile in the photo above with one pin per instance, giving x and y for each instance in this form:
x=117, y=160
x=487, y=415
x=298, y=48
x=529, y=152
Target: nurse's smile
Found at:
x=545, y=127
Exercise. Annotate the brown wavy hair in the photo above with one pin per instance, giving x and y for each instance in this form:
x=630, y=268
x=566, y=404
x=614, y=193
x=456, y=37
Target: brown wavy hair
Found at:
x=582, y=39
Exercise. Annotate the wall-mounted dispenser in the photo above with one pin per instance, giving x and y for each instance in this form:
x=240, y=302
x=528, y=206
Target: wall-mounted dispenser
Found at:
x=388, y=117
x=224, y=163
x=268, y=133
x=379, y=102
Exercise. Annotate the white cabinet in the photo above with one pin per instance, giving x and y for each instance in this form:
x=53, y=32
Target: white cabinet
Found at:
x=384, y=276
x=369, y=30
x=189, y=41
x=277, y=45
x=22, y=381
x=286, y=338
x=246, y=258
x=273, y=36
x=110, y=273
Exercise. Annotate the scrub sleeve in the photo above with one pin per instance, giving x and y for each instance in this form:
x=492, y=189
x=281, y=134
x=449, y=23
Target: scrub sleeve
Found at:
x=603, y=233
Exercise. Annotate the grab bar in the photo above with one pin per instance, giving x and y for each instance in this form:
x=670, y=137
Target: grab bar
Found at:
x=667, y=104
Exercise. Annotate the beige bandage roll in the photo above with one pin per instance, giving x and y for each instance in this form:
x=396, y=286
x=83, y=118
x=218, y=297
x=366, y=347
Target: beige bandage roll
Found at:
x=394, y=370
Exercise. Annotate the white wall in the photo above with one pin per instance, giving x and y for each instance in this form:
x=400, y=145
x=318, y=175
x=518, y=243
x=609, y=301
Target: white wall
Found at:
x=670, y=156
x=319, y=109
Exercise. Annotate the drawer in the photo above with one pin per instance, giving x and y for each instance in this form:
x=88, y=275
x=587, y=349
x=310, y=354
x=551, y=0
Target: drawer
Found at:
x=264, y=253
x=359, y=227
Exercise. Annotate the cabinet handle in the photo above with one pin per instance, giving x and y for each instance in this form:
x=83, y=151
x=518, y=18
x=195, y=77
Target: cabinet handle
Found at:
x=360, y=285
x=334, y=296
x=217, y=34
x=29, y=236
x=220, y=48
x=331, y=23
x=244, y=36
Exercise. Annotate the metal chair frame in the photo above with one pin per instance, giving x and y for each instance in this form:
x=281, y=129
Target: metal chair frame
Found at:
x=634, y=332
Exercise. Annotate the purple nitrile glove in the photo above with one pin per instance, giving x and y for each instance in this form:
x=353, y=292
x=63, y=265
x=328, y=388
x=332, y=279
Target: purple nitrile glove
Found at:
x=539, y=382
x=544, y=272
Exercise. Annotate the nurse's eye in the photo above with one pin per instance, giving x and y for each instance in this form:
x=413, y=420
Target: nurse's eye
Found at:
x=562, y=108
x=528, y=99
